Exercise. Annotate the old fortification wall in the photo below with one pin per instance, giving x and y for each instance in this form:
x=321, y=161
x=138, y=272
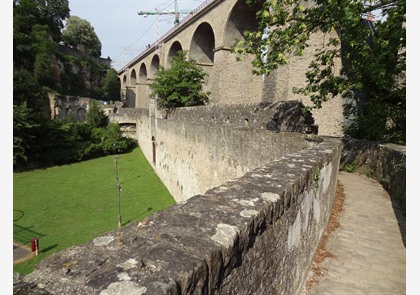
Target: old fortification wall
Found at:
x=198, y=148
x=255, y=234
x=73, y=106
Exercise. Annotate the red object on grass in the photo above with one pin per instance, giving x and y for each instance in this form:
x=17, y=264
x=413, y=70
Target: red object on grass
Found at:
x=34, y=244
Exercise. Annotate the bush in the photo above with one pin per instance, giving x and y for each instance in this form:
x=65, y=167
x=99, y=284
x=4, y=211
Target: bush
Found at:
x=68, y=141
x=181, y=84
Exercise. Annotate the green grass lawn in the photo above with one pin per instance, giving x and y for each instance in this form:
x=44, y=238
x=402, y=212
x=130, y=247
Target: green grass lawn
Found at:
x=72, y=204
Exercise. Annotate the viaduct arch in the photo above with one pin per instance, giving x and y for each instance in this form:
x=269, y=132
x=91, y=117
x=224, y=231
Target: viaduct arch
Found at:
x=208, y=34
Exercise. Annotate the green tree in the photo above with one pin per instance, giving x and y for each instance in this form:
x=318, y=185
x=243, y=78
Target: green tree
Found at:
x=372, y=78
x=23, y=135
x=28, y=117
x=95, y=115
x=181, y=84
x=80, y=31
x=44, y=49
x=33, y=22
x=36, y=29
x=111, y=85
x=51, y=13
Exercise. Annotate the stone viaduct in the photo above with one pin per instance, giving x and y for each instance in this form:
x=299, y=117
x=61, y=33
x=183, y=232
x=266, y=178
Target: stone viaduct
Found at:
x=254, y=185
x=208, y=34
x=237, y=96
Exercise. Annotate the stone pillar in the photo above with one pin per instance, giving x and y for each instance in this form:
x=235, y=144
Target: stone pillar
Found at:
x=233, y=81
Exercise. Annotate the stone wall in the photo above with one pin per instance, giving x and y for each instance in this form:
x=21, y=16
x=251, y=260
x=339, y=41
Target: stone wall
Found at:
x=62, y=106
x=197, y=148
x=273, y=116
x=256, y=234
x=384, y=162
x=232, y=82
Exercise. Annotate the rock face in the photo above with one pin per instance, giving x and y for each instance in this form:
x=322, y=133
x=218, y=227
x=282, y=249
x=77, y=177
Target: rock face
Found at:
x=255, y=234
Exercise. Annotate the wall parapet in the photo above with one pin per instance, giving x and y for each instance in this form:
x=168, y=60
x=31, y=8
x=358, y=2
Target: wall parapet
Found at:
x=197, y=148
x=256, y=234
x=127, y=115
x=286, y=116
x=384, y=162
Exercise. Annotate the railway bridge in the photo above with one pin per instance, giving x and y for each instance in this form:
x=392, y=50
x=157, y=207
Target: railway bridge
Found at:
x=208, y=34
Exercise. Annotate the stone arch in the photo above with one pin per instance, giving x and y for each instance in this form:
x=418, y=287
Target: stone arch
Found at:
x=154, y=66
x=202, y=44
x=81, y=115
x=143, y=74
x=175, y=47
x=124, y=82
x=142, y=89
x=242, y=18
x=233, y=82
x=133, y=78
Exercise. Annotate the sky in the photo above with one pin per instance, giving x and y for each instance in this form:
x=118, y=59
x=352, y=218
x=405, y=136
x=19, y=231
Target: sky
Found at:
x=123, y=33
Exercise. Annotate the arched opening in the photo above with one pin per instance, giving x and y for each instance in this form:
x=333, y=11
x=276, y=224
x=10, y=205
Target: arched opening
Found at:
x=175, y=47
x=123, y=91
x=154, y=67
x=142, y=88
x=81, y=115
x=124, y=82
x=133, y=78
x=236, y=83
x=242, y=18
x=143, y=74
x=202, y=44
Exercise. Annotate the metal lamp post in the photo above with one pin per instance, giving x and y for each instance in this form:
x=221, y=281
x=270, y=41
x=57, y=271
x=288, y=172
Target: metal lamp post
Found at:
x=117, y=184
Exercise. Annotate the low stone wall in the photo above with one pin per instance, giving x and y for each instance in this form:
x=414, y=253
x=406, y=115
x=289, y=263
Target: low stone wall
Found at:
x=280, y=116
x=197, y=148
x=253, y=235
x=385, y=163
x=192, y=158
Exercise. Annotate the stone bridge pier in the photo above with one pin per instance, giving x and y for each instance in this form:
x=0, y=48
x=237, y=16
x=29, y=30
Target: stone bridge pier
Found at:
x=208, y=34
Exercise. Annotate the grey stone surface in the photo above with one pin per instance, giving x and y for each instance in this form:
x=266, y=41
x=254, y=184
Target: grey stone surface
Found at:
x=370, y=256
x=252, y=235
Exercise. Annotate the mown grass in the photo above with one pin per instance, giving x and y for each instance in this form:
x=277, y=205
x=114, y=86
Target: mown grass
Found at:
x=72, y=204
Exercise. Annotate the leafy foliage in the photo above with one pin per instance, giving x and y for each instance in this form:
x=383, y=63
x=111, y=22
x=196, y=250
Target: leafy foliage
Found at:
x=80, y=31
x=372, y=78
x=111, y=85
x=96, y=117
x=72, y=141
x=37, y=60
x=50, y=13
x=23, y=136
x=28, y=117
x=44, y=48
x=181, y=84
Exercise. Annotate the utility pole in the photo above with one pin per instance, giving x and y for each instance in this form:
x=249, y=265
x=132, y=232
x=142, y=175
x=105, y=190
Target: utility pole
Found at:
x=118, y=185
